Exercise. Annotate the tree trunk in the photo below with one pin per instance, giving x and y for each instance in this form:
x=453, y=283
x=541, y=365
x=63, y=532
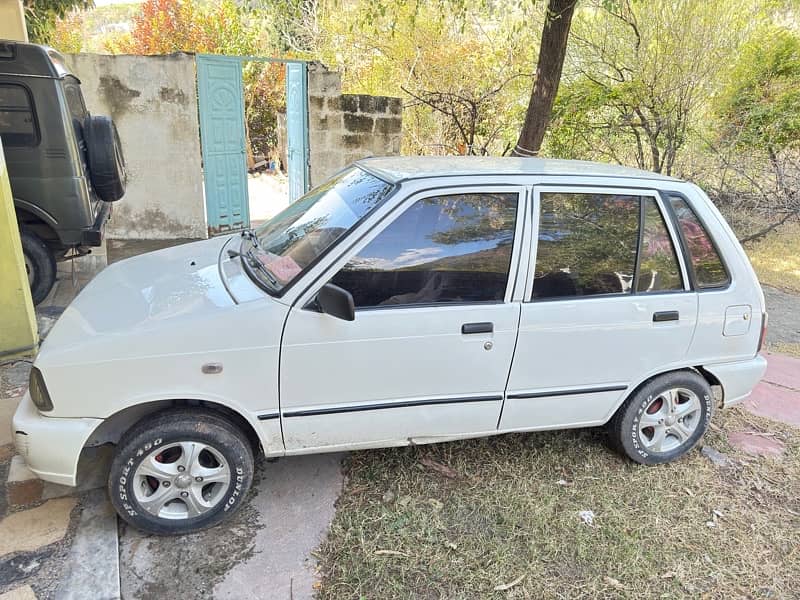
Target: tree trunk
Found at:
x=548, y=73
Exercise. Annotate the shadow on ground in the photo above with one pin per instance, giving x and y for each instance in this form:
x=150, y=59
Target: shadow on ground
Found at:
x=263, y=552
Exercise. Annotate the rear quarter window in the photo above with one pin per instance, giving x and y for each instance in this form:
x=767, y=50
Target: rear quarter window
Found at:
x=707, y=266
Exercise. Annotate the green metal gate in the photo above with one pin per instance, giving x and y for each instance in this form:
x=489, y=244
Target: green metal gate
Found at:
x=222, y=136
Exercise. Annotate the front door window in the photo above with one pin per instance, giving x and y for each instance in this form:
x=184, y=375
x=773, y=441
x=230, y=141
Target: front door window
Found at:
x=443, y=249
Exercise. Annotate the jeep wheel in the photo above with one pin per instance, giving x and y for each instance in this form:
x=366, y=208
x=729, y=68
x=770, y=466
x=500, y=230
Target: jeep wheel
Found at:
x=664, y=419
x=40, y=265
x=180, y=472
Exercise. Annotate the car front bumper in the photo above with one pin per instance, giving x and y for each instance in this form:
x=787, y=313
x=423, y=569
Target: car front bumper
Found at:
x=51, y=446
x=738, y=378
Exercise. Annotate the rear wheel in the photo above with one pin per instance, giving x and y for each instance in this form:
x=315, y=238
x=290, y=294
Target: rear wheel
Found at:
x=180, y=472
x=40, y=265
x=664, y=419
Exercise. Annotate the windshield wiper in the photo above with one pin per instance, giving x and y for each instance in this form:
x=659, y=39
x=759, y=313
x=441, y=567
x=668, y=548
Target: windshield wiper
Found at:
x=254, y=262
x=250, y=234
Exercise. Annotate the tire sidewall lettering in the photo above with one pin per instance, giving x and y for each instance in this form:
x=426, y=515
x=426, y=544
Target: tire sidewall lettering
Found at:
x=125, y=481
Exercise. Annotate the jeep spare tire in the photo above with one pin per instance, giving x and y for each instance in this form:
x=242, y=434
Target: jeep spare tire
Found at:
x=105, y=159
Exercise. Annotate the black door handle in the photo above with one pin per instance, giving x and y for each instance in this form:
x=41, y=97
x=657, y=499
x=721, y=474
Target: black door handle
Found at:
x=665, y=315
x=468, y=328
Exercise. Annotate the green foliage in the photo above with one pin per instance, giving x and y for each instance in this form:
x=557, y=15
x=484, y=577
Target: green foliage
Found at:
x=761, y=104
x=41, y=16
x=465, y=73
x=639, y=76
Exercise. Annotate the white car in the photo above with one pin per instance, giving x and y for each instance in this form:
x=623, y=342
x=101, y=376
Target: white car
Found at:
x=405, y=301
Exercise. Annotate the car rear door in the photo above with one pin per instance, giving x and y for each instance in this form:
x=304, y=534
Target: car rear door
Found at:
x=429, y=351
x=608, y=303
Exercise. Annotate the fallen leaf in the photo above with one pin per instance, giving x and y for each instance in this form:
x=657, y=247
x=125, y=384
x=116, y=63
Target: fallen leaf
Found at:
x=439, y=467
x=391, y=553
x=507, y=586
x=615, y=583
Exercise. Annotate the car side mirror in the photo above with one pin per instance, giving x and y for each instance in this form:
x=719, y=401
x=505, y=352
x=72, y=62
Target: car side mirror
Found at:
x=336, y=302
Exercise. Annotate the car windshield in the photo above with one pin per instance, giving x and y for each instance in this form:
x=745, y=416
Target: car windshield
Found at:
x=286, y=245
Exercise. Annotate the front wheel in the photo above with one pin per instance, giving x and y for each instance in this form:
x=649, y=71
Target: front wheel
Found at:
x=664, y=419
x=179, y=472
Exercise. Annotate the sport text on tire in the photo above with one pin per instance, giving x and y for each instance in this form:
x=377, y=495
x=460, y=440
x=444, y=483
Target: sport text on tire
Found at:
x=180, y=471
x=664, y=419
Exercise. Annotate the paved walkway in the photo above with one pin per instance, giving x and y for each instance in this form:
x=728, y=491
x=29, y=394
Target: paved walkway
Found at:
x=778, y=395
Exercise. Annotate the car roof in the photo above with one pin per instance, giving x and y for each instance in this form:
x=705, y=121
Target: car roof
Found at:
x=394, y=169
x=22, y=59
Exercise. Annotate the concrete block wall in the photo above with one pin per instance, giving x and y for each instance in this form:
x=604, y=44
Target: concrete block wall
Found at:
x=153, y=101
x=346, y=127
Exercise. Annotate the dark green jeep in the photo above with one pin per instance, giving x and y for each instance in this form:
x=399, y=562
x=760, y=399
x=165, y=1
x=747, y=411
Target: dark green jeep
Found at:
x=66, y=166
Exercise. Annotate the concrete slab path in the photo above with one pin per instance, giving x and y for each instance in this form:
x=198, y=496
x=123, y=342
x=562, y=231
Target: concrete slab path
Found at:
x=778, y=395
x=263, y=552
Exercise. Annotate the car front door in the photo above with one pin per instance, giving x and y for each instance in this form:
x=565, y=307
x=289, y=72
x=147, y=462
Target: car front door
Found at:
x=608, y=303
x=428, y=354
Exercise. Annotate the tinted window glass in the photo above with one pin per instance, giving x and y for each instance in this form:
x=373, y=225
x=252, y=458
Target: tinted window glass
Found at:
x=587, y=244
x=443, y=249
x=72, y=90
x=706, y=263
x=296, y=237
x=17, y=124
x=658, y=262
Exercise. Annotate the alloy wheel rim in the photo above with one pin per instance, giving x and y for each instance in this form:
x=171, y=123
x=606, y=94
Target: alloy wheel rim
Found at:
x=669, y=420
x=181, y=480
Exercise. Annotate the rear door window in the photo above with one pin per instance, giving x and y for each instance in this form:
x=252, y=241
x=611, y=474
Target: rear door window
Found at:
x=659, y=270
x=17, y=119
x=595, y=244
x=587, y=244
x=709, y=270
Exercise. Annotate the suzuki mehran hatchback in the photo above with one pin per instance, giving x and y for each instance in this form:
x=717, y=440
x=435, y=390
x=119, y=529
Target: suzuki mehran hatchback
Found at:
x=405, y=301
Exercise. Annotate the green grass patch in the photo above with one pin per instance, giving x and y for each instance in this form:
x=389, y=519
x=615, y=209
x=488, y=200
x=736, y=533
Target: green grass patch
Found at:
x=507, y=509
x=776, y=258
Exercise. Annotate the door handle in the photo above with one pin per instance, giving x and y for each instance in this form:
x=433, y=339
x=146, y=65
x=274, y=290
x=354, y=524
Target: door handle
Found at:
x=469, y=328
x=665, y=315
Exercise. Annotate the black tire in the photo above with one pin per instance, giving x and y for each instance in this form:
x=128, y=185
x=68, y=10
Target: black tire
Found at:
x=40, y=265
x=630, y=434
x=164, y=431
x=104, y=157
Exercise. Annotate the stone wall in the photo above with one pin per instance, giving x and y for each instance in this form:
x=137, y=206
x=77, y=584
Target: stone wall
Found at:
x=153, y=101
x=346, y=127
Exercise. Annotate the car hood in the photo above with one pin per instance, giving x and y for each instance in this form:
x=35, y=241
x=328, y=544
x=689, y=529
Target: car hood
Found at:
x=167, y=296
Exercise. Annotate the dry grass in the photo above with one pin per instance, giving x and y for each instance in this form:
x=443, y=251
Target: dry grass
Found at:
x=405, y=530
x=776, y=258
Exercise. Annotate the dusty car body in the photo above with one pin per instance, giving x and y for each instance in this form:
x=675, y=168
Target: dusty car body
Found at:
x=406, y=301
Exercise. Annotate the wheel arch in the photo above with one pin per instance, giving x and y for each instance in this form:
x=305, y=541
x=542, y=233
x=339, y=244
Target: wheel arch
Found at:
x=38, y=221
x=708, y=377
x=111, y=430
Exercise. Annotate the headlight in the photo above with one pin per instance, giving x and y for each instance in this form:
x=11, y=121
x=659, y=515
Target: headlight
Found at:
x=38, y=391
